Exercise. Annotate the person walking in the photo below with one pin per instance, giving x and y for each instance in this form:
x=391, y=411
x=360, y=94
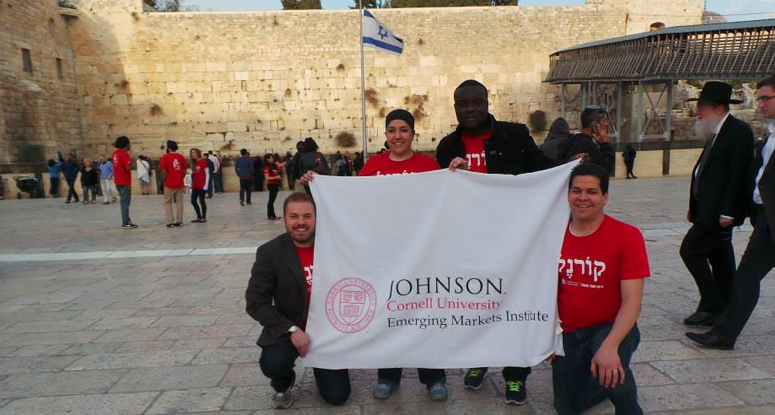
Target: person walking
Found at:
x=70, y=170
x=244, y=169
x=759, y=257
x=272, y=175
x=718, y=200
x=89, y=182
x=173, y=166
x=629, y=160
x=122, y=169
x=106, y=180
x=200, y=182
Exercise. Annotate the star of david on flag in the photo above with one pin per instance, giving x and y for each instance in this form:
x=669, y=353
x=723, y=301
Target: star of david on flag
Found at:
x=377, y=36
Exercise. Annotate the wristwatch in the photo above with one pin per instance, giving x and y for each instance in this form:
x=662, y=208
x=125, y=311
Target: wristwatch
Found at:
x=292, y=329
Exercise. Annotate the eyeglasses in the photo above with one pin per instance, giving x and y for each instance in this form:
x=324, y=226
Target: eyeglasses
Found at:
x=765, y=98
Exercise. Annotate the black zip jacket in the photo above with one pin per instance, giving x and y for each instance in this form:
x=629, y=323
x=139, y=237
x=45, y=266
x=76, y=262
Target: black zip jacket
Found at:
x=510, y=150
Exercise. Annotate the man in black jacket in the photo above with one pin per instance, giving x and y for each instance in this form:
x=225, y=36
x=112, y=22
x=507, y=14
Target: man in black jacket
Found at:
x=482, y=144
x=70, y=170
x=278, y=298
x=759, y=257
x=717, y=200
x=593, y=142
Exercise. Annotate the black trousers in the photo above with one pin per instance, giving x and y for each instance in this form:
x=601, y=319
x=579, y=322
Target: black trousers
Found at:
x=757, y=261
x=245, y=187
x=629, y=166
x=54, y=190
x=71, y=190
x=277, y=362
x=273, y=189
x=197, y=199
x=710, y=258
x=428, y=377
x=511, y=373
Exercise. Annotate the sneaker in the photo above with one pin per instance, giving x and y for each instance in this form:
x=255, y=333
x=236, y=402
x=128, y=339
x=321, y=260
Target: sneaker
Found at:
x=474, y=378
x=516, y=393
x=196, y=221
x=382, y=390
x=105, y=203
x=438, y=392
x=169, y=225
x=129, y=226
x=284, y=400
x=241, y=203
x=178, y=224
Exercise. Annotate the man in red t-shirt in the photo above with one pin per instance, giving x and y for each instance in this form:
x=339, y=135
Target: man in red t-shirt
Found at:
x=602, y=269
x=122, y=168
x=173, y=173
x=278, y=297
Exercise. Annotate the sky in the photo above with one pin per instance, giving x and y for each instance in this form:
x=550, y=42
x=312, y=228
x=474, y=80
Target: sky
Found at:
x=734, y=10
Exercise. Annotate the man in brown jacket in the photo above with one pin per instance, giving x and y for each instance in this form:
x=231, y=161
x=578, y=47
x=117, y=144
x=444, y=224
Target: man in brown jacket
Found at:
x=278, y=297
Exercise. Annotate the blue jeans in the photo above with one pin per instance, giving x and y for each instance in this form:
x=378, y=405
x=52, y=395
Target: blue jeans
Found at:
x=575, y=390
x=125, y=192
x=87, y=190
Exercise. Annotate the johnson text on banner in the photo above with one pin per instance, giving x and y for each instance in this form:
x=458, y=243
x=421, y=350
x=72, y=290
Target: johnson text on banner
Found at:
x=438, y=270
x=376, y=35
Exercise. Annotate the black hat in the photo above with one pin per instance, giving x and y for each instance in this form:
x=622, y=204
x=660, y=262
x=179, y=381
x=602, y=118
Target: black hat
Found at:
x=400, y=114
x=716, y=92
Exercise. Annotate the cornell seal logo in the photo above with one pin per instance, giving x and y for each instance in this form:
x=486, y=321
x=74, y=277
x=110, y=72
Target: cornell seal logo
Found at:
x=350, y=305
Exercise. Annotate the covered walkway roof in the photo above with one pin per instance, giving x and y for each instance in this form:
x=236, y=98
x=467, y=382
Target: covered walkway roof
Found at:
x=740, y=50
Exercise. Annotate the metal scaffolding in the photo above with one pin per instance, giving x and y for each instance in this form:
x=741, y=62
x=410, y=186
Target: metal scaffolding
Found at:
x=657, y=60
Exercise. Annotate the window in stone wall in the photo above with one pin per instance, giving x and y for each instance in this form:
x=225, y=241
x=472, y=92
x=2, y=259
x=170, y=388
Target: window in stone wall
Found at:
x=51, y=27
x=59, y=69
x=27, y=60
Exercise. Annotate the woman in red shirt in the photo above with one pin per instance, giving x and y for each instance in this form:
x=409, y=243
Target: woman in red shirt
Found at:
x=401, y=159
x=272, y=176
x=200, y=179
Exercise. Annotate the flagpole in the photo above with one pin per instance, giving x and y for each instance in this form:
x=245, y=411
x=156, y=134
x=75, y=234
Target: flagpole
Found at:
x=363, y=86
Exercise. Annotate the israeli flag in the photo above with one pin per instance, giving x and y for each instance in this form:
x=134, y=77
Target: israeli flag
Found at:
x=377, y=36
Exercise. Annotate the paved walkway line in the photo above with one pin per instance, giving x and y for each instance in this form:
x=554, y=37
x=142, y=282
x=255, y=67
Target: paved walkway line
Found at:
x=80, y=256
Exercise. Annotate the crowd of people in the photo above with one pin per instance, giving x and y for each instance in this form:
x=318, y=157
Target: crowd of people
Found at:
x=733, y=179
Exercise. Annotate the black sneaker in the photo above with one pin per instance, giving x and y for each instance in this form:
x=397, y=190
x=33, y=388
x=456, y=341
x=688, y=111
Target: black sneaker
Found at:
x=474, y=378
x=516, y=393
x=129, y=226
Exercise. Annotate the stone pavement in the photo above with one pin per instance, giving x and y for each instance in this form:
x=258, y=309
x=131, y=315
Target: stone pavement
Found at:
x=99, y=320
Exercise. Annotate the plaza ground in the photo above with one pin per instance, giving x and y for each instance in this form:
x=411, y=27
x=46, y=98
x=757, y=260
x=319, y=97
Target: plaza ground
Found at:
x=99, y=320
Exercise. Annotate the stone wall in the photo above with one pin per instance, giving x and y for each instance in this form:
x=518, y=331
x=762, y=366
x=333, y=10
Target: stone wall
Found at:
x=264, y=80
x=39, y=110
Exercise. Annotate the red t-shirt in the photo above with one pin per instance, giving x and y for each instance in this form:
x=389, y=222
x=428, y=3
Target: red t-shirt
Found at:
x=271, y=170
x=121, y=159
x=306, y=257
x=382, y=165
x=175, y=164
x=199, y=179
x=475, y=155
x=591, y=269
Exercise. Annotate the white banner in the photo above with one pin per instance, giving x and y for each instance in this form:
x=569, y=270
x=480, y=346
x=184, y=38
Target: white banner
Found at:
x=437, y=270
